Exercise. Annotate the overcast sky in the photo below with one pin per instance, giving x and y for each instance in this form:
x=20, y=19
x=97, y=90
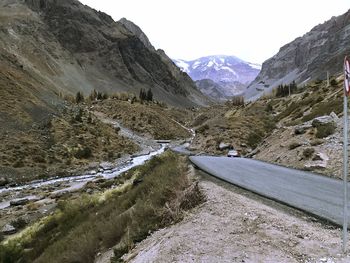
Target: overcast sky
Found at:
x=252, y=30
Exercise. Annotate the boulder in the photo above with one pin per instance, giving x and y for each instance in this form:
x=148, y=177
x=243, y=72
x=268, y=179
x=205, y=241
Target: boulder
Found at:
x=318, y=162
x=18, y=202
x=321, y=157
x=323, y=120
x=3, y=181
x=301, y=129
x=8, y=229
x=334, y=116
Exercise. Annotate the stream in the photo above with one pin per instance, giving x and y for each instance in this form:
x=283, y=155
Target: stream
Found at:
x=77, y=182
x=57, y=186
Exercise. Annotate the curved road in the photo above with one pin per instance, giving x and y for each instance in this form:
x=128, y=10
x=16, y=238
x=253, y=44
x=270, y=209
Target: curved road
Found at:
x=319, y=195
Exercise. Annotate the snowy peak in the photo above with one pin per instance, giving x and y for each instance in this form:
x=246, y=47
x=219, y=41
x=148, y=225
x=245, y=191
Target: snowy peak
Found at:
x=220, y=68
x=231, y=73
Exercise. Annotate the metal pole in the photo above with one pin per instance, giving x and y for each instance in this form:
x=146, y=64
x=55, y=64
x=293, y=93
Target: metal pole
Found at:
x=327, y=78
x=345, y=175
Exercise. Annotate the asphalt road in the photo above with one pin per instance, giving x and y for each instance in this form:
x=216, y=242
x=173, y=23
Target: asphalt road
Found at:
x=319, y=195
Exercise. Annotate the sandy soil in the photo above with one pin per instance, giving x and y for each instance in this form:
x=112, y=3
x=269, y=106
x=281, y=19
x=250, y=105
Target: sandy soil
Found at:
x=234, y=225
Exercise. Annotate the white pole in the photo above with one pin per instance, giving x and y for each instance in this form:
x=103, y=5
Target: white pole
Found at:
x=327, y=78
x=345, y=175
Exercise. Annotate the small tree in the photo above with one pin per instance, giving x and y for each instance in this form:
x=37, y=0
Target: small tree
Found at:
x=238, y=101
x=79, y=97
x=143, y=95
x=149, y=96
x=93, y=95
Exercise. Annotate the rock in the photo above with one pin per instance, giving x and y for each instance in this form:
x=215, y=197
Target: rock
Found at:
x=299, y=130
x=18, y=202
x=8, y=229
x=89, y=191
x=315, y=166
x=323, y=120
x=106, y=166
x=334, y=116
x=321, y=157
x=3, y=181
x=224, y=146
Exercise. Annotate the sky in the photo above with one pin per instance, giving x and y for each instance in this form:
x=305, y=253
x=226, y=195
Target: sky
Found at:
x=253, y=30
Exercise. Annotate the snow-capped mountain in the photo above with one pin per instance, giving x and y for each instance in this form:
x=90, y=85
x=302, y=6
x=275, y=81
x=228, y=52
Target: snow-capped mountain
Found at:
x=229, y=72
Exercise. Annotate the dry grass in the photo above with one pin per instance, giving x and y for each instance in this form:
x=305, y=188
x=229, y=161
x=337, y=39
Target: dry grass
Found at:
x=152, y=119
x=82, y=227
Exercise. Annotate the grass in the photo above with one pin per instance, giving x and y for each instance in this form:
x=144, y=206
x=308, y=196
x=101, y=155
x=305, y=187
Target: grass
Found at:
x=124, y=216
x=151, y=118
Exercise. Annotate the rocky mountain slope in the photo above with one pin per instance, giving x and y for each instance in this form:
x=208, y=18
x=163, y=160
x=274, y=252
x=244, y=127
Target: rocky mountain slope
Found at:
x=303, y=130
x=213, y=89
x=67, y=47
x=49, y=51
x=306, y=58
x=230, y=73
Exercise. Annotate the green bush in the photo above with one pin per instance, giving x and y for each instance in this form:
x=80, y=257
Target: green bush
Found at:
x=325, y=130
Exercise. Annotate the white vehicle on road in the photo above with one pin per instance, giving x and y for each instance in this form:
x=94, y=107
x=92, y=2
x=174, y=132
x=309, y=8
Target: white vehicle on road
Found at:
x=233, y=153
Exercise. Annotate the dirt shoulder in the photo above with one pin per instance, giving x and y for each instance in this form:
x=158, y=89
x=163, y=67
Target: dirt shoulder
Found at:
x=234, y=225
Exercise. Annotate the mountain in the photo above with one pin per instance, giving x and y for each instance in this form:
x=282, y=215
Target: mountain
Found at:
x=212, y=89
x=229, y=72
x=306, y=58
x=65, y=47
x=51, y=50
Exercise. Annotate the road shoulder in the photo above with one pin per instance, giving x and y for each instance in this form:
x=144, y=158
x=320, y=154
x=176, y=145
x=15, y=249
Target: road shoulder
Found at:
x=236, y=226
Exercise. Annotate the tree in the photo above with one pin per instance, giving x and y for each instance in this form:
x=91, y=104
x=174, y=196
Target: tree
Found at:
x=149, y=96
x=79, y=97
x=93, y=95
x=143, y=95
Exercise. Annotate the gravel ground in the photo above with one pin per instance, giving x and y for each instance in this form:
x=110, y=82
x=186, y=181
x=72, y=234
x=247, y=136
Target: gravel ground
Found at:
x=234, y=225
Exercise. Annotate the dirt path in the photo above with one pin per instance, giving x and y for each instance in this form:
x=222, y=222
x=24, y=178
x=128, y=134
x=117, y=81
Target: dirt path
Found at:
x=237, y=226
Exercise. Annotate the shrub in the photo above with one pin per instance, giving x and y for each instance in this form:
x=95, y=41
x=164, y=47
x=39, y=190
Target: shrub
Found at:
x=202, y=128
x=83, y=153
x=19, y=223
x=334, y=83
x=325, y=130
x=254, y=138
x=294, y=145
x=308, y=152
x=316, y=142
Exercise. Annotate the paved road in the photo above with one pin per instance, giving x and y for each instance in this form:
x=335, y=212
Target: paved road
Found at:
x=319, y=195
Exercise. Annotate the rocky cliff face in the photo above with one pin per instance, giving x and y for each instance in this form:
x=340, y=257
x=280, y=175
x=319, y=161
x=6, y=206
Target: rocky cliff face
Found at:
x=72, y=47
x=306, y=58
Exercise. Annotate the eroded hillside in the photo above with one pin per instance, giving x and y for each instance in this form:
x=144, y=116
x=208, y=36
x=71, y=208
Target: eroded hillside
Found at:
x=303, y=130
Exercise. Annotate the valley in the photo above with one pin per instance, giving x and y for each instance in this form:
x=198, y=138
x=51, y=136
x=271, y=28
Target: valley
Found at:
x=100, y=129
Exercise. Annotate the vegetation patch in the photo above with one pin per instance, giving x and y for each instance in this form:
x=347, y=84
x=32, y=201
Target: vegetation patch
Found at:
x=325, y=130
x=308, y=152
x=294, y=145
x=148, y=197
